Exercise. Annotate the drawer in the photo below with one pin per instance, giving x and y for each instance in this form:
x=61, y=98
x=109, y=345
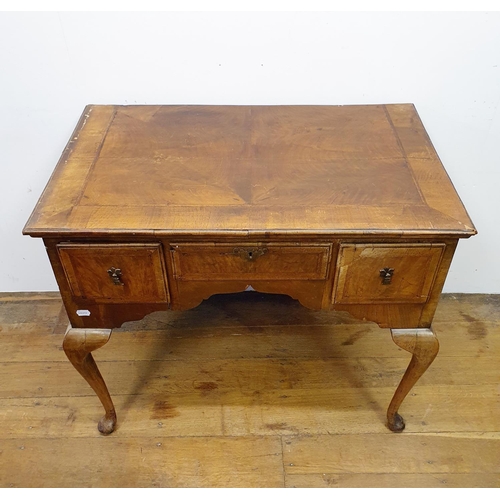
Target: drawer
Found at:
x=220, y=262
x=386, y=273
x=131, y=273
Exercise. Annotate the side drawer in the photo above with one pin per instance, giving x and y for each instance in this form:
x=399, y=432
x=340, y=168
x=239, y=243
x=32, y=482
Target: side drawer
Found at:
x=117, y=273
x=386, y=273
x=220, y=262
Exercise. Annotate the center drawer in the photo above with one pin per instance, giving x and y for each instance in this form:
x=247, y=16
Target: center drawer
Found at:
x=273, y=261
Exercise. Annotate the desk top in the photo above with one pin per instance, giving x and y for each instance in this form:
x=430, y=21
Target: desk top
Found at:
x=165, y=170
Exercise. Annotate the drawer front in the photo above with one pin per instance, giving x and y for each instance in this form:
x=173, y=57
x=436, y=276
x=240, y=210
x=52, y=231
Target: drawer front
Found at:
x=386, y=273
x=220, y=262
x=131, y=273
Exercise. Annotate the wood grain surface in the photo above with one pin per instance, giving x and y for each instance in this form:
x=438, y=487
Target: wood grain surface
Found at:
x=166, y=170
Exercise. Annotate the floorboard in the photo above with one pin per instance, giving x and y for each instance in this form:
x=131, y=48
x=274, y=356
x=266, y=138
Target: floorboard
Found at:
x=249, y=390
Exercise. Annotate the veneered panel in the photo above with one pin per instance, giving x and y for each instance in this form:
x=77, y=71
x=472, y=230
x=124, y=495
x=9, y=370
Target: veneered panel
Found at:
x=140, y=279
x=411, y=269
x=202, y=262
x=215, y=169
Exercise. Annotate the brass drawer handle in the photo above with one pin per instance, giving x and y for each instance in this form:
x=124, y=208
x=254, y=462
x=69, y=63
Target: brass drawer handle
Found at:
x=250, y=254
x=115, y=275
x=386, y=275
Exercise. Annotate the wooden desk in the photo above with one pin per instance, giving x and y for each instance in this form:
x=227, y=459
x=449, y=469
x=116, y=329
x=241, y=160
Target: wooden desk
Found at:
x=159, y=207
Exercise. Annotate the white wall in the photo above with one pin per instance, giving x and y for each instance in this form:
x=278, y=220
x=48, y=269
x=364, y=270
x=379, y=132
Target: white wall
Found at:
x=53, y=64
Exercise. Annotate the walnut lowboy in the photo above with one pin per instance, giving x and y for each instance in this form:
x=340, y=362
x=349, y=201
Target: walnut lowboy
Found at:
x=106, y=284
x=342, y=208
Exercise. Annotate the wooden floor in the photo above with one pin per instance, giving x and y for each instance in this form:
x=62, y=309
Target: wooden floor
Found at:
x=249, y=390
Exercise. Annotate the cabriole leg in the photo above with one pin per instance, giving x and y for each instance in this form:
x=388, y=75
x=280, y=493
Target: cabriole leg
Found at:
x=78, y=344
x=422, y=343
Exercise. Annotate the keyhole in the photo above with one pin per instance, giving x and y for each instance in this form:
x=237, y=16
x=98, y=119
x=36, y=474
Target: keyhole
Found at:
x=250, y=254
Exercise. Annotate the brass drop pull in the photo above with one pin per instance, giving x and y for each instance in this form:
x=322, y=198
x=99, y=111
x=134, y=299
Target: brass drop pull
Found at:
x=249, y=254
x=386, y=275
x=115, y=275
